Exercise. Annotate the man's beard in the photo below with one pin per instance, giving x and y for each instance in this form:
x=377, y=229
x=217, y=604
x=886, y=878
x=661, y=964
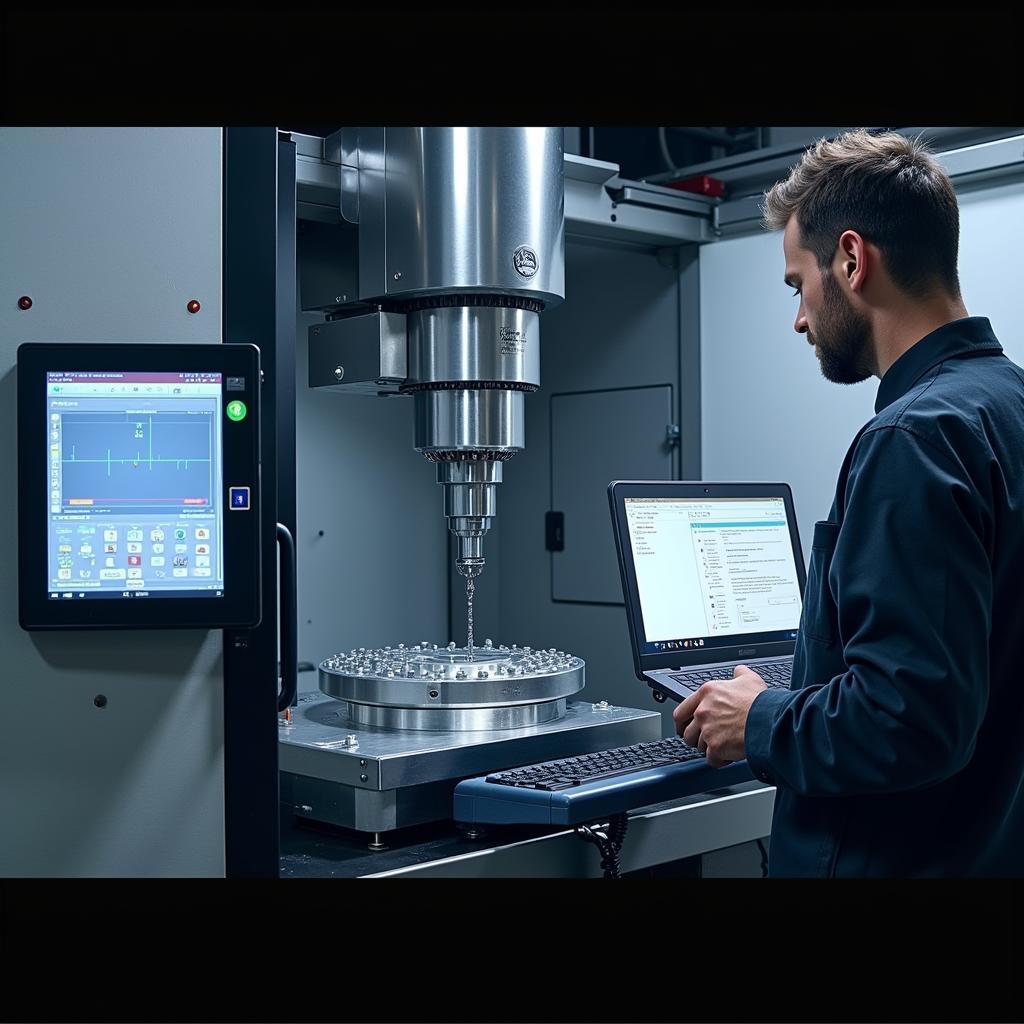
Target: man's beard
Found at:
x=844, y=344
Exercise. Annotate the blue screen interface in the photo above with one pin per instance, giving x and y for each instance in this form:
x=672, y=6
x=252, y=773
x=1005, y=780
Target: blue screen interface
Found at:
x=135, y=484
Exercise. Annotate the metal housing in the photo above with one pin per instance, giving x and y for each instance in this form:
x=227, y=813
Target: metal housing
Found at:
x=446, y=210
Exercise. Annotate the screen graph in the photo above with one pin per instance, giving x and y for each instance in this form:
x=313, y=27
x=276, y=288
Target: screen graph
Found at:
x=133, y=462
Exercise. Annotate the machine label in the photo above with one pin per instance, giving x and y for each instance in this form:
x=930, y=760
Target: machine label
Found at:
x=524, y=259
x=513, y=341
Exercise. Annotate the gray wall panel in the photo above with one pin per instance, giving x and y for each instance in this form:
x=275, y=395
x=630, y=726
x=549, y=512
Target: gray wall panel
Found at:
x=111, y=232
x=618, y=328
x=767, y=413
x=991, y=222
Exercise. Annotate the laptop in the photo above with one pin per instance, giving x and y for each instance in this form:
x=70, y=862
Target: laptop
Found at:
x=713, y=577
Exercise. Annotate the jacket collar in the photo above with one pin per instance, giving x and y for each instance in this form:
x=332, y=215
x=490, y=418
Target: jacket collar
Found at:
x=971, y=335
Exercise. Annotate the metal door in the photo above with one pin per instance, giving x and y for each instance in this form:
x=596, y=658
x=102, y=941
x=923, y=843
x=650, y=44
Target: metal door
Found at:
x=597, y=437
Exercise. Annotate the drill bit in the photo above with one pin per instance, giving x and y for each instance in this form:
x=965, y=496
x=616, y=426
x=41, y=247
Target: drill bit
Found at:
x=470, y=568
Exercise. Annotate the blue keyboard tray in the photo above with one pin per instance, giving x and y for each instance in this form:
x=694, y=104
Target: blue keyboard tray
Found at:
x=478, y=801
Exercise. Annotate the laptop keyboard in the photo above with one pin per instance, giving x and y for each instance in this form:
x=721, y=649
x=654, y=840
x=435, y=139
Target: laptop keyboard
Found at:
x=777, y=674
x=604, y=764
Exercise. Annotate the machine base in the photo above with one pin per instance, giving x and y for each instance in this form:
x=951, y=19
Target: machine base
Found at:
x=391, y=778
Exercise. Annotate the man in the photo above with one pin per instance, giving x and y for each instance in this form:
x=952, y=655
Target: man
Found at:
x=899, y=750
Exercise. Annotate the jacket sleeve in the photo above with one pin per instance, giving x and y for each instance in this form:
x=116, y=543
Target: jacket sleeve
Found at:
x=913, y=588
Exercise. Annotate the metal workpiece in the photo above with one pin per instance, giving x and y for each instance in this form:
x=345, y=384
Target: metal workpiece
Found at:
x=517, y=716
x=494, y=344
x=489, y=422
x=432, y=678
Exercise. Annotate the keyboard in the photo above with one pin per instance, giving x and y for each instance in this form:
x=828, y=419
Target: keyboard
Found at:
x=588, y=787
x=604, y=764
x=777, y=674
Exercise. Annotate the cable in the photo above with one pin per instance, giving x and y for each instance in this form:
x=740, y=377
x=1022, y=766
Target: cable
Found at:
x=288, y=627
x=764, y=858
x=670, y=164
x=608, y=840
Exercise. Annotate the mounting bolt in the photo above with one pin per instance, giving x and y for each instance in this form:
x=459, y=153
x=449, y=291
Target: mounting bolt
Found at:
x=193, y=306
x=339, y=372
x=398, y=275
x=25, y=302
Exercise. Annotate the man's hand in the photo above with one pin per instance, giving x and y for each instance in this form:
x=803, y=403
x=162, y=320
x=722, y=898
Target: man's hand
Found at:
x=714, y=718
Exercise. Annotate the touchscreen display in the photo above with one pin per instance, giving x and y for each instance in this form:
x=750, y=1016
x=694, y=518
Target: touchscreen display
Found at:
x=134, y=466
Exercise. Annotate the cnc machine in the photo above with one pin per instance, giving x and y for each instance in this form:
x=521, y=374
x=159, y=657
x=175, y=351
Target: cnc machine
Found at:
x=459, y=249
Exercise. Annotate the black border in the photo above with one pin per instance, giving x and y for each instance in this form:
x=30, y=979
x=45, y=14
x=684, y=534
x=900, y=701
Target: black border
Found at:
x=618, y=490
x=240, y=605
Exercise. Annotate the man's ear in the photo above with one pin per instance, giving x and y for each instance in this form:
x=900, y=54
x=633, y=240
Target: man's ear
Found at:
x=852, y=256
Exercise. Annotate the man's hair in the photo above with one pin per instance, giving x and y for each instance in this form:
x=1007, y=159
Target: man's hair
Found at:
x=887, y=188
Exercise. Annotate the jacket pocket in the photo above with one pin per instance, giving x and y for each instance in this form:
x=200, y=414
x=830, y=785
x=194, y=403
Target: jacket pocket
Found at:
x=819, y=619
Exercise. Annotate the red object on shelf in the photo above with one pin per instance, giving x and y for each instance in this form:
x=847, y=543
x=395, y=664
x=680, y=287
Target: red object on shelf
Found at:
x=702, y=184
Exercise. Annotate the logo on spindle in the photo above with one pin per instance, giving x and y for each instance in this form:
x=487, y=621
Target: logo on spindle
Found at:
x=524, y=259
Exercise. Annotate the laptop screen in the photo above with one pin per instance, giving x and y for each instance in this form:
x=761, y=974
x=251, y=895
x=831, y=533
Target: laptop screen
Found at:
x=713, y=572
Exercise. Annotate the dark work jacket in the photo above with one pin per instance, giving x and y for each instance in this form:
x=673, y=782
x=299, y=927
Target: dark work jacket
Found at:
x=899, y=750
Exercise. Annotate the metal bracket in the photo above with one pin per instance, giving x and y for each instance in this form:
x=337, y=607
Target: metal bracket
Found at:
x=363, y=354
x=342, y=148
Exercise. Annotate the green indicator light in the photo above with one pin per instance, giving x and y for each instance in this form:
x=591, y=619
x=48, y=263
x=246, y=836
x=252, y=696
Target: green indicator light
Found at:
x=236, y=410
